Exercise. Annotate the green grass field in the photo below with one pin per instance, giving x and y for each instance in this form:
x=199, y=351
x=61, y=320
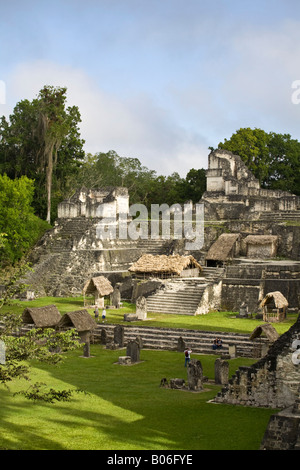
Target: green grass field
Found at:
x=124, y=407
x=214, y=321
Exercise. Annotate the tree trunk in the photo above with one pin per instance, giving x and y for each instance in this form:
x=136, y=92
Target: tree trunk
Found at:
x=48, y=187
x=49, y=170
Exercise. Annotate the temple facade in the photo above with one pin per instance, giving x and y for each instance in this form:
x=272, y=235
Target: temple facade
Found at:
x=234, y=193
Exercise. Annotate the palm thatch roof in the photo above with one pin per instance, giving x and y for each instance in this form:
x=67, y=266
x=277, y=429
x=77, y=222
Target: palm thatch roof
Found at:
x=173, y=264
x=42, y=317
x=81, y=320
x=261, y=239
x=266, y=328
x=279, y=300
x=99, y=284
x=222, y=249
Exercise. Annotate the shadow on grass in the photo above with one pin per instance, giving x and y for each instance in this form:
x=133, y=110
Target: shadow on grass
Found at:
x=126, y=409
x=16, y=432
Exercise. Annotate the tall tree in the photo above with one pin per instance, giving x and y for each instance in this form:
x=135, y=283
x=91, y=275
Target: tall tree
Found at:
x=194, y=185
x=252, y=146
x=273, y=158
x=40, y=140
x=54, y=123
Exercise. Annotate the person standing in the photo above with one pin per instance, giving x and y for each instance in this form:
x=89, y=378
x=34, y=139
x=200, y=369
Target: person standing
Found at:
x=187, y=355
x=96, y=312
x=103, y=315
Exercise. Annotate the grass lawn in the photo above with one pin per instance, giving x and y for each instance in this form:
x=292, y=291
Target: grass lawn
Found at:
x=213, y=321
x=124, y=408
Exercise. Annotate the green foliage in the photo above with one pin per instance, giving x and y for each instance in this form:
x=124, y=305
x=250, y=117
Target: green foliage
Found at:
x=42, y=345
x=273, y=158
x=144, y=185
x=194, y=185
x=41, y=141
x=45, y=345
x=17, y=221
x=38, y=392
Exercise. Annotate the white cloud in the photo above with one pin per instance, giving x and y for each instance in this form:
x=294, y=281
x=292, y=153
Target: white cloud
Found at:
x=246, y=84
x=259, y=86
x=135, y=126
x=249, y=85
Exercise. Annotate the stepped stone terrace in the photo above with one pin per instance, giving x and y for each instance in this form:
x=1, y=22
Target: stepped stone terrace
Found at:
x=234, y=193
x=238, y=227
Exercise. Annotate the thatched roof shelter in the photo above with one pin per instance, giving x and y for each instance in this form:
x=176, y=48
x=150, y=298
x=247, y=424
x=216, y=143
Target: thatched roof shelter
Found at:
x=42, y=317
x=261, y=239
x=274, y=300
x=164, y=265
x=267, y=329
x=81, y=320
x=99, y=287
x=279, y=300
x=99, y=284
x=223, y=248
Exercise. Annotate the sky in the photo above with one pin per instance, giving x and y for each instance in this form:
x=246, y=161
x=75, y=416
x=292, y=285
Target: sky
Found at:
x=157, y=80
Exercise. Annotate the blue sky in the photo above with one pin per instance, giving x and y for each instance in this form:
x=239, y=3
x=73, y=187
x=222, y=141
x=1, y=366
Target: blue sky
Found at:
x=157, y=80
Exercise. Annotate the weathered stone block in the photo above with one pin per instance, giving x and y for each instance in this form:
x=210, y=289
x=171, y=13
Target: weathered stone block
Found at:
x=111, y=345
x=130, y=317
x=271, y=382
x=221, y=372
x=177, y=383
x=119, y=335
x=133, y=350
x=232, y=350
x=103, y=337
x=181, y=344
x=124, y=360
x=115, y=298
x=141, y=308
x=195, y=375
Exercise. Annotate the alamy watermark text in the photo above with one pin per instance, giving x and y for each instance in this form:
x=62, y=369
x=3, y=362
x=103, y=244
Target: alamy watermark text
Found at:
x=164, y=222
x=296, y=93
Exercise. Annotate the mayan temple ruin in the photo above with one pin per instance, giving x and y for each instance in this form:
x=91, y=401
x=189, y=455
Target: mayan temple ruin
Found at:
x=233, y=193
x=251, y=245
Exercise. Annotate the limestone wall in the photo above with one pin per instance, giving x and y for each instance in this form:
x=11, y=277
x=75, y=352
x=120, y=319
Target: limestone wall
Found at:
x=250, y=283
x=105, y=202
x=234, y=193
x=283, y=432
x=271, y=382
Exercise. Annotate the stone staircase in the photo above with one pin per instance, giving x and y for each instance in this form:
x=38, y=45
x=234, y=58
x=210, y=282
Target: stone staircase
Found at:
x=183, y=295
x=70, y=253
x=180, y=296
x=199, y=341
x=212, y=274
x=281, y=216
x=153, y=247
x=166, y=339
